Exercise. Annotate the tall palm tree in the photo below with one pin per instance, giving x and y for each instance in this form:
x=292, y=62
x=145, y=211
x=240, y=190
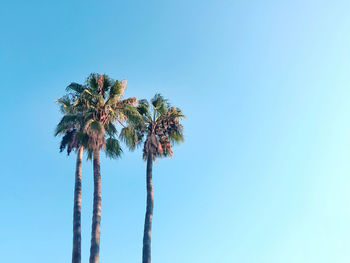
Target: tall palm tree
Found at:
x=160, y=127
x=71, y=127
x=101, y=99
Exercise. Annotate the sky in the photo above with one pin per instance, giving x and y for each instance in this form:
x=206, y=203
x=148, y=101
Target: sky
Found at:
x=263, y=174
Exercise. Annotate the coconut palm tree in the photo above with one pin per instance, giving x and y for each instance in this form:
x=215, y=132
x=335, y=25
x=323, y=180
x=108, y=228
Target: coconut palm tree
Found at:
x=102, y=104
x=71, y=127
x=160, y=127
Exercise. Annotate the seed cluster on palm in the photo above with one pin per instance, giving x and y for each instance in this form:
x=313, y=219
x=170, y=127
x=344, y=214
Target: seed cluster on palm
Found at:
x=92, y=113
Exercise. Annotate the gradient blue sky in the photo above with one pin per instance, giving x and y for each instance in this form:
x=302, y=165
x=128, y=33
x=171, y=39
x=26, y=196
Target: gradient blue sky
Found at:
x=263, y=176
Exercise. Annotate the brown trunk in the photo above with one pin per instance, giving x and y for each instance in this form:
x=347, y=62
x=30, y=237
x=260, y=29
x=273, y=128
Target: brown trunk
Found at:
x=146, y=251
x=96, y=217
x=76, y=254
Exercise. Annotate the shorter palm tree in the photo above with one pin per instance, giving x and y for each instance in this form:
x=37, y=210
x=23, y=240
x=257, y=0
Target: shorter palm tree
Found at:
x=71, y=127
x=159, y=128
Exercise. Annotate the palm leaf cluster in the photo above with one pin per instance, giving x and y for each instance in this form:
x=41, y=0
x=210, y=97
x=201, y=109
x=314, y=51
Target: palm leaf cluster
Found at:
x=91, y=113
x=160, y=126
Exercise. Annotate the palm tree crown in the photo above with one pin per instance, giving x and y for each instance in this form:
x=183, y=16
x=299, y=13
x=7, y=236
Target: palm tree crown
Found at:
x=160, y=126
x=91, y=111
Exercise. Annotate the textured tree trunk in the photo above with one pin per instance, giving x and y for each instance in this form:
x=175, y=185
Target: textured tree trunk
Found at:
x=76, y=254
x=96, y=217
x=146, y=251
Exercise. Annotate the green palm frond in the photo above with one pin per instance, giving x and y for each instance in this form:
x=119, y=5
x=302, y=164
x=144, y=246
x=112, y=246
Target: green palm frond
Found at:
x=83, y=138
x=113, y=149
x=91, y=82
x=69, y=141
x=111, y=129
x=95, y=126
x=107, y=83
x=65, y=104
x=67, y=122
x=176, y=136
x=131, y=136
x=89, y=154
x=115, y=92
x=143, y=109
x=75, y=87
x=159, y=101
x=176, y=112
x=130, y=113
x=160, y=106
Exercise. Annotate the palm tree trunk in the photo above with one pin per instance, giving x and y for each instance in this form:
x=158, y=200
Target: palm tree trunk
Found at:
x=146, y=251
x=76, y=254
x=96, y=217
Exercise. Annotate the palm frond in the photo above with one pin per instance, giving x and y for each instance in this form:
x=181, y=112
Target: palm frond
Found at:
x=69, y=141
x=83, y=138
x=75, y=87
x=116, y=92
x=176, y=137
x=160, y=106
x=130, y=113
x=92, y=82
x=113, y=149
x=90, y=154
x=111, y=129
x=65, y=104
x=143, y=107
x=67, y=122
x=158, y=101
x=95, y=126
x=131, y=136
x=107, y=83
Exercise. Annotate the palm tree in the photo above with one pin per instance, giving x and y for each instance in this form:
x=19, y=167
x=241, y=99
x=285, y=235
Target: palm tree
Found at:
x=161, y=127
x=71, y=127
x=101, y=100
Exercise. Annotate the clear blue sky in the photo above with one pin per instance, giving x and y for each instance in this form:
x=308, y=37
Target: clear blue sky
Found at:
x=263, y=176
